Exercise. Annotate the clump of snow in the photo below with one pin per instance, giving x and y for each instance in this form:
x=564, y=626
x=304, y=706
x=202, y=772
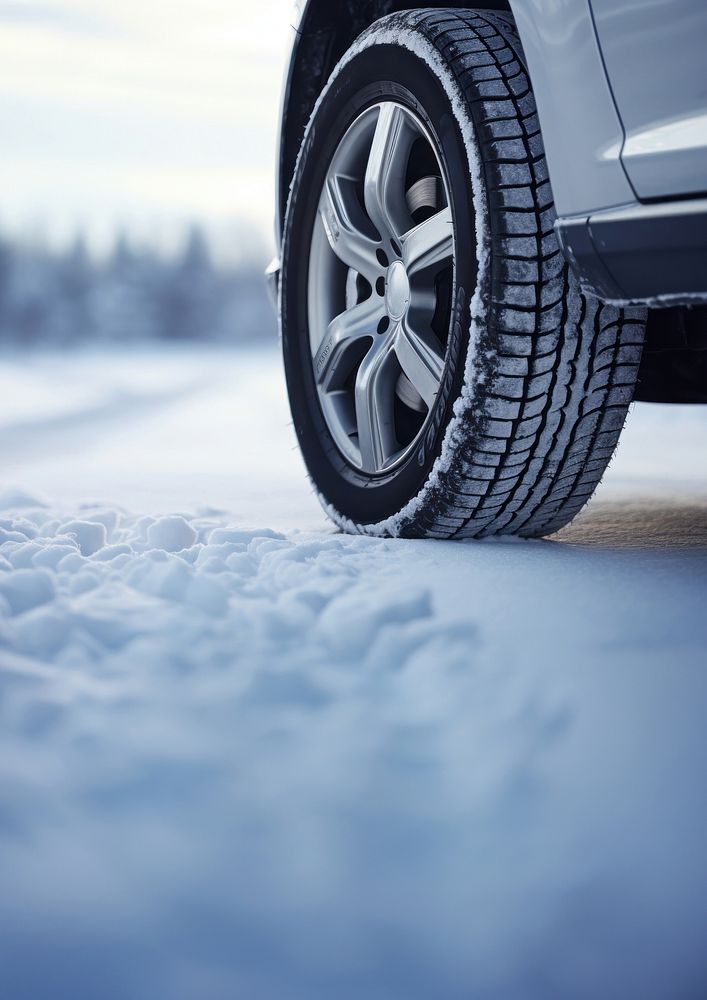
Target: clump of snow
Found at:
x=171, y=534
x=26, y=588
x=264, y=586
x=347, y=621
x=90, y=535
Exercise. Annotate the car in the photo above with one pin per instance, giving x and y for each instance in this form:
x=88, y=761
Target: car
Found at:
x=492, y=238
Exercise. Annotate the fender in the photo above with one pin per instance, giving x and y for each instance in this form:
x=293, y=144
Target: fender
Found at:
x=583, y=138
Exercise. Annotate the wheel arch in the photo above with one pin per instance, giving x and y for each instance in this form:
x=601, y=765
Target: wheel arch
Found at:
x=563, y=59
x=324, y=31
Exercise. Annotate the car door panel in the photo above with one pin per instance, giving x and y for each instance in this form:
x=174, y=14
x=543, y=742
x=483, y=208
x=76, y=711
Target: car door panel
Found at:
x=655, y=52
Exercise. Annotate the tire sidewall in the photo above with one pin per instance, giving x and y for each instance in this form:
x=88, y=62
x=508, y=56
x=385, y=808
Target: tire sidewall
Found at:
x=356, y=86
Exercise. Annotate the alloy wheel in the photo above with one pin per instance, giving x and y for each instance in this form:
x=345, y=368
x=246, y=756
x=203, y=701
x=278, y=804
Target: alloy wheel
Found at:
x=380, y=287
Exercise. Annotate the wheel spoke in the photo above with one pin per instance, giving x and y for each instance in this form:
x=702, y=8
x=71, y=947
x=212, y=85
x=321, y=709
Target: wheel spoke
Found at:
x=384, y=186
x=340, y=345
x=421, y=357
x=431, y=244
x=374, y=409
x=342, y=220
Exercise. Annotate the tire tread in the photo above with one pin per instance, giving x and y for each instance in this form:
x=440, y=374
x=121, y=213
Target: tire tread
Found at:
x=564, y=365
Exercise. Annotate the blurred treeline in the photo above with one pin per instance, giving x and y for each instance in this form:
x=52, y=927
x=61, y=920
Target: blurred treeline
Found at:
x=64, y=297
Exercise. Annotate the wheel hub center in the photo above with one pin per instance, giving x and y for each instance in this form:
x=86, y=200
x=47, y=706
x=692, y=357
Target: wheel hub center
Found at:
x=397, y=290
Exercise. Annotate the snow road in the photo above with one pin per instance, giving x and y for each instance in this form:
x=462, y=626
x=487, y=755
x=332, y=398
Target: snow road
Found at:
x=242, y=755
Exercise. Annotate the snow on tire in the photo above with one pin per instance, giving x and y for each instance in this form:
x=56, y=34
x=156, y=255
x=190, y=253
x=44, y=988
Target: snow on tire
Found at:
x=535, y=377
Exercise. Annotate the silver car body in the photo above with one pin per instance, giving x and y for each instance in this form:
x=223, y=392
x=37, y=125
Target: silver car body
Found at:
x=621, y=90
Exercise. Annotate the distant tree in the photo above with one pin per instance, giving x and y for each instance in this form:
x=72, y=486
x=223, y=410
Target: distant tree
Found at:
x=60, y=297
x=123, y=301
x=29, y=293
x=71, y=317
x=6, y=256
x=190, y=298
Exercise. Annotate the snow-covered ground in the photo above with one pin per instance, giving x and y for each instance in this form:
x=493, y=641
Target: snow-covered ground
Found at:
x=244, y=756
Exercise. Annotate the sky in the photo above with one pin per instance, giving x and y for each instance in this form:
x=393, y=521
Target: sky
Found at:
x=140, y=115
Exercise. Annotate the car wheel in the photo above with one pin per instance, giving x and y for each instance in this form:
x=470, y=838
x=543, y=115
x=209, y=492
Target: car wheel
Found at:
x=447, y=375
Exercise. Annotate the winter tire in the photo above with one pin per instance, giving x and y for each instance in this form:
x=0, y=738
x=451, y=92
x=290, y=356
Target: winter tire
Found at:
x=447, y=375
